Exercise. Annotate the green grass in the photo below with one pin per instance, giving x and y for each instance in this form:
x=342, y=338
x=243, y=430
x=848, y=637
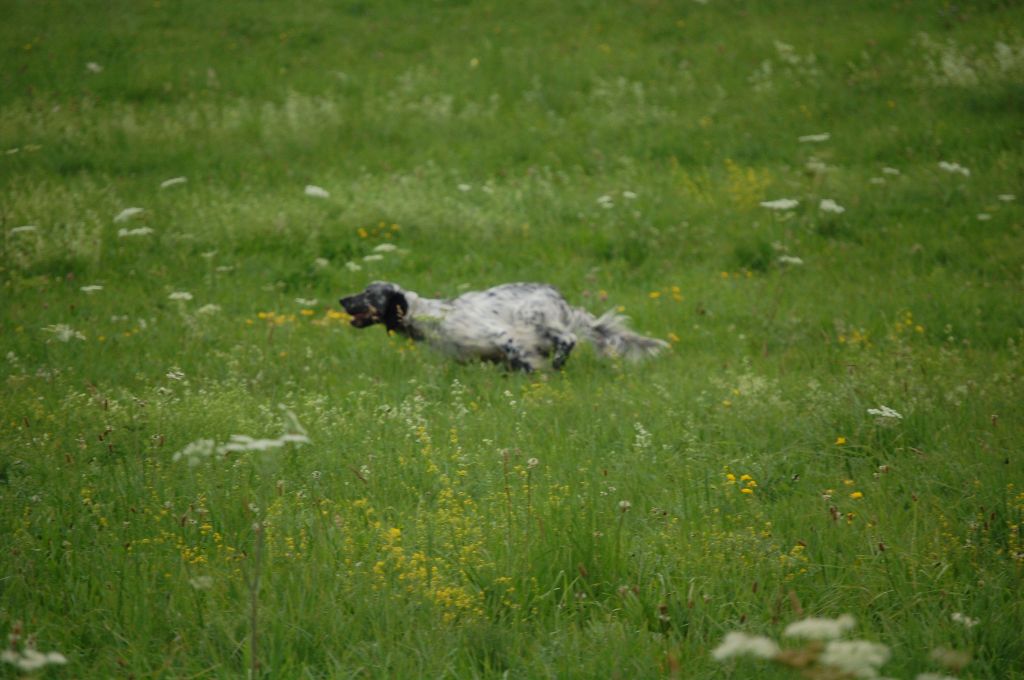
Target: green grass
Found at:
x=415, y=535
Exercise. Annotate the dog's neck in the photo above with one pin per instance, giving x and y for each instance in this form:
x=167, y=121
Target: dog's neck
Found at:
x=423, y=315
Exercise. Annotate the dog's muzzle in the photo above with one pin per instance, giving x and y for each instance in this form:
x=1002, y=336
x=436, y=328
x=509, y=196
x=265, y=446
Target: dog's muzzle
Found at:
x=362, y=313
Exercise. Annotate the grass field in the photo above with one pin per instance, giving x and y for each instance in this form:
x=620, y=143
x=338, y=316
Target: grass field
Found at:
x=431, y=519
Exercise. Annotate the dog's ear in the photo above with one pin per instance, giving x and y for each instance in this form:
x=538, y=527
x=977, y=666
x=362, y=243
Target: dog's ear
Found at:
x=395, y=309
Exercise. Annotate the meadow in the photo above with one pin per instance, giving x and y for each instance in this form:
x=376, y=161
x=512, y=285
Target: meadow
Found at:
x=205, y=472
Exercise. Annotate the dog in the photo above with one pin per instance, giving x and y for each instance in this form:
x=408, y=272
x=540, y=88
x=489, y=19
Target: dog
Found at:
x=516, y=324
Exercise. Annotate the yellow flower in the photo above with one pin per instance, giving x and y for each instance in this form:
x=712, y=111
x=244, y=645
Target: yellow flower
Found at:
x=744, y=478
x=856, y=495
x=654, y=294
x=751, y=484
x=747, y=491
x=840, y=440
x=731, y=477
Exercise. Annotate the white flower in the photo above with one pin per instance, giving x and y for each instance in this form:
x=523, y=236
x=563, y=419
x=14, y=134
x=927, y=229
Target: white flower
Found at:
x=208, y=309
x=204, y=582
x=64, y=332
x=934, y=676
x=93, y=67
x=352, y=266
x=967, y=621
x=311, y=302
x=816, y=166
x=628, y=195
x=1005, y=198
x=89, y=290
x=30, y=660
x=820, y=137
x=605, y=202
x=884, y=412
x=624, y=506
x=195, y=452
x=890, y=171
x=372, y=258
x=24, y=229
x=859, y=658
x=954, y=167
x=828, y=205
x=820, y=629
x=174, y=181
x=780, y=204
x=385, y=248
x=741, y=644
x=316, y=192
x=877, y=180
x=321, y=262
x=127, y=214
x=532, y=463
x=983, y=217
x=180, y=295
x=139, y=231
x=175, y=374
x=464, y=187
x=790, y=259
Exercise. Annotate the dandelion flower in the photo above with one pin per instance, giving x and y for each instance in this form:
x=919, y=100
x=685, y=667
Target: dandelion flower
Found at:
x=624, y=506
x=316, y=192
x=840, y=440
x=859, y=658
x=747, y=491
x=820, y=137
x=954, y=168
x=819, y=628
x=127, y=214
x=856, y=495
x=174, y=181
x=180, y=295
x=89, y=290
x=741, y=644
x=830, y=206
x=780, y=204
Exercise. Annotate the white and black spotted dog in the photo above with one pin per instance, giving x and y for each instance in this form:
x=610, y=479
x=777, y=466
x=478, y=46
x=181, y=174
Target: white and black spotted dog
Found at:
x=517, y=324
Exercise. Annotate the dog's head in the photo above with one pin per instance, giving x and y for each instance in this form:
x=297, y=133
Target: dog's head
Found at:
x=381, y=302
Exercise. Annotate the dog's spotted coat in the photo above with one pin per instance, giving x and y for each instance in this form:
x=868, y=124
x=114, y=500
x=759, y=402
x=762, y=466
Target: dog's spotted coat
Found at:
x=518, y=324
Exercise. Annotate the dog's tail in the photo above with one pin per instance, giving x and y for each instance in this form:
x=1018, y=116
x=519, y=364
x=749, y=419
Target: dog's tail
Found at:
x=612, y=337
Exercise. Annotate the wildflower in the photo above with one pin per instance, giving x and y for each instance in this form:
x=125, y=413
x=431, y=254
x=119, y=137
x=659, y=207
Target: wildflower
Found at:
x=464, y=187
x=352, y=266
x=780, y=204
x=373, y=258
x=1005, y=198
x=730, y=477
x=24, y=229
x=747, y=491
x=316, y=192
x=983, y=217
x=840, y=440
x=175, y=374
x=138, y=231
x=624, y=506
x=385, y=248
x=820, y=137
x=93, y=67
x=859, y=658
x=89, y=290
x=321, y=262
x=180, y=295
x=174, y=181
x=532, y=463
x=605, y=202
x=30, y=660
x=201, y=582
x=890, y=171
x=830, y=206
x=954, y=168
x=967, y=621
x=127, y=214
x=63, y=332
x=195, y=452
x=741, y=644
x=654, y=294
x=820, y=629
x=790, y=260
x=856, y=495
x=933, y=676
x=310, y=302
x=209, y=309
x=628, y=195
x=884, y=412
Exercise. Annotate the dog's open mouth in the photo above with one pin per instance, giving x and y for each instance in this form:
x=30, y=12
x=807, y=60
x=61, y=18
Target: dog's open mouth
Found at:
x=363, y=319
